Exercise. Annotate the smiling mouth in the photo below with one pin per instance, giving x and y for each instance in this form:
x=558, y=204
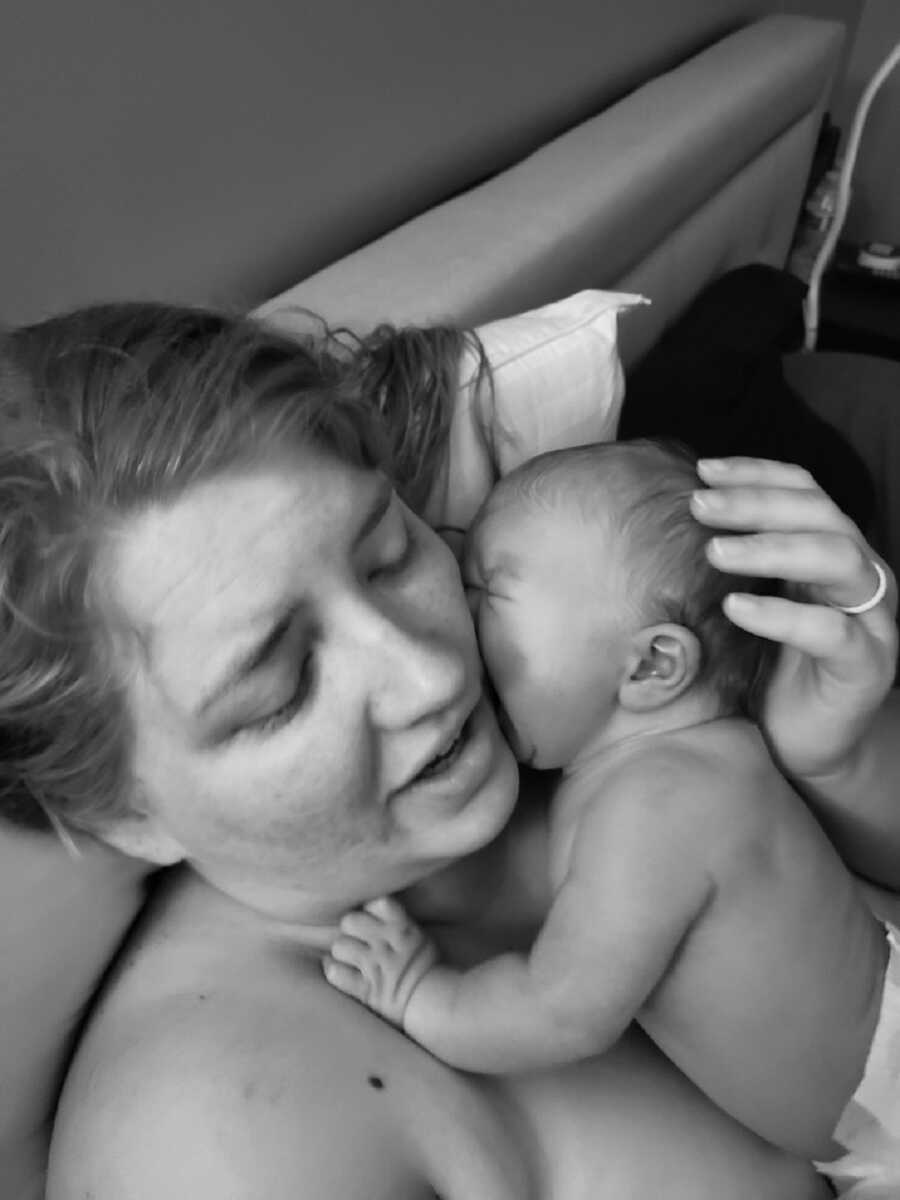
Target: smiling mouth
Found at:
x=443, y=761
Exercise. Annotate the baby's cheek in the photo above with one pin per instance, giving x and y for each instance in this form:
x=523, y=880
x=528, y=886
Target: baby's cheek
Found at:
x=504, y=660
x=445, y=598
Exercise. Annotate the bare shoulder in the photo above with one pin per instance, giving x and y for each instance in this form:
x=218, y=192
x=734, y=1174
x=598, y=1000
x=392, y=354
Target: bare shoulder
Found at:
x=208, y=1096
x=709, y=777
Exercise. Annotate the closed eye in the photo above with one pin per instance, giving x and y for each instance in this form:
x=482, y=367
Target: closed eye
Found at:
x=483, y=591
x=286, y=712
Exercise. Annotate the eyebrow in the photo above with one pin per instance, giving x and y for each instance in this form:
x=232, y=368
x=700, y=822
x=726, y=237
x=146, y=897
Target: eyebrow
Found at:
x=262, y=651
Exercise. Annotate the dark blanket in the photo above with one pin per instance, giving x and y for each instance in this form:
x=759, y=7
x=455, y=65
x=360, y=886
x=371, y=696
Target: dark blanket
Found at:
x=715, y=382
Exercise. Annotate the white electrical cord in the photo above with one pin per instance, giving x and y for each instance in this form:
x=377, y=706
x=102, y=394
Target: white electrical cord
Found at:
x=842, y=202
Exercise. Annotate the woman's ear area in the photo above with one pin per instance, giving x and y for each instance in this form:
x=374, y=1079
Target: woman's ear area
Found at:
x=138, y=835
x=663, y=661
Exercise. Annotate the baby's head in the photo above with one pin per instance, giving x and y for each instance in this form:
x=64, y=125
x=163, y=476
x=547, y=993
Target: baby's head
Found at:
x=593, y=595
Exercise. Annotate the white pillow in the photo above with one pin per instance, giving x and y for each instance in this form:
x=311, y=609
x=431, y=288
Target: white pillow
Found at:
x=557, y=381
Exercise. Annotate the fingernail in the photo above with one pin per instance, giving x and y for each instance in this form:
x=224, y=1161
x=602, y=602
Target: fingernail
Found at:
x=725, y=547
x=712, y=464
x=708, y=501
x=741, y=602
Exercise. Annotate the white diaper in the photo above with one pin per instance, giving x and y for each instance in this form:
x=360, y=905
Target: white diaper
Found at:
x=869, y=1127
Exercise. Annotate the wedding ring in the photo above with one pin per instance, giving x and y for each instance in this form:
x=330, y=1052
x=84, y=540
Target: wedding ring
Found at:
x=876, y=598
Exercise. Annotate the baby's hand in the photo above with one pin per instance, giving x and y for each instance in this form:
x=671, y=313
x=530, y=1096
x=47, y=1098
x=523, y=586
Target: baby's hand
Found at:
x=379, y=958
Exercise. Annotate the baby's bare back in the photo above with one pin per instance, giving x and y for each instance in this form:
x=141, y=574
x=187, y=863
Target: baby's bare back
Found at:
x=770, y=1001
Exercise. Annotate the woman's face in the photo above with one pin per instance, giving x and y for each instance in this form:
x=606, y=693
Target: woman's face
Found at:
x=305, y=690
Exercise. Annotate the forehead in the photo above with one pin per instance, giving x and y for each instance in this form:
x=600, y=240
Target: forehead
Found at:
x=229, y=551
x=521, y=535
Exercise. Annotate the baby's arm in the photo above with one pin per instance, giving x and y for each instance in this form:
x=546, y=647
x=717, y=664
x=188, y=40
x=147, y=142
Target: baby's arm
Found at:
x=635, y=884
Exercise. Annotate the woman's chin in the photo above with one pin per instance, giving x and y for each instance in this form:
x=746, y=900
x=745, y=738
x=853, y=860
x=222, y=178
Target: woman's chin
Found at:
x=487, y=810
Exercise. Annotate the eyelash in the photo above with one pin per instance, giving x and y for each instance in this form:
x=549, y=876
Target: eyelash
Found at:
x=281, y=716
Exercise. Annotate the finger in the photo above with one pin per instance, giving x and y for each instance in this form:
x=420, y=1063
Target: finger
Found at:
x=398, y=932
x=352, y=953
x=770, y=508
x=837, y=568
x=364, y=926
x=387, y=909
x=821, y=632
x=345, y=979
x=738, y=471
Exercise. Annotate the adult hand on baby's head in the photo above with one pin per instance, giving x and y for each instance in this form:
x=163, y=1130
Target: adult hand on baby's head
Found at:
x=834, y=669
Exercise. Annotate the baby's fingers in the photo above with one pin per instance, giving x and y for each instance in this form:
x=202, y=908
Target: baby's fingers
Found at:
x=383, y=925
x=346, y=979
x=356, y=954
x=388, y=910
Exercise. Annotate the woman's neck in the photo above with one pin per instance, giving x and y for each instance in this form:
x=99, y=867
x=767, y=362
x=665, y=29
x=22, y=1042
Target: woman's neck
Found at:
x=502, y=886
x=204, y=909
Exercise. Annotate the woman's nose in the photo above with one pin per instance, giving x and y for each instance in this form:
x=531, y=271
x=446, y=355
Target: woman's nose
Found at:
x=416, y=673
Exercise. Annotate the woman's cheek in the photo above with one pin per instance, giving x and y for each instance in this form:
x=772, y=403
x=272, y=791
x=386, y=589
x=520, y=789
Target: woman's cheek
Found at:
x=451, y=594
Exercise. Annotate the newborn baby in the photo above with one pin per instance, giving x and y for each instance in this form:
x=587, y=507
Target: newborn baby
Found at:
x=693, y=891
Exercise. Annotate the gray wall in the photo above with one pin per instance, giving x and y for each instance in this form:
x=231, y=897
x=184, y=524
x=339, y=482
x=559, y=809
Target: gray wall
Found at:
x=217, y=151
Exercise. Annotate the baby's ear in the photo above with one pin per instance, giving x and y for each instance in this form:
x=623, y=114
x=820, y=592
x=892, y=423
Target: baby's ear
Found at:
x=663, y=662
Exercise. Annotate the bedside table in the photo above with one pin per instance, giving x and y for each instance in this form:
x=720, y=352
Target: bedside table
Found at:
x=859, y=312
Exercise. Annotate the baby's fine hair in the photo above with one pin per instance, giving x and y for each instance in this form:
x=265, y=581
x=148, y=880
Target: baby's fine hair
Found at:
x=639, y=493
x=113, y=408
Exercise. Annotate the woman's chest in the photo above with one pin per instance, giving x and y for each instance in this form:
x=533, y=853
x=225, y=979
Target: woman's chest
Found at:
x=567, y=1134
x=592, y=1130
x=469, y=1134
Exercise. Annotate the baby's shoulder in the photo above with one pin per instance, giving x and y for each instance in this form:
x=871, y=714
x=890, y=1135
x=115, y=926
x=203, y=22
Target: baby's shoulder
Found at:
x=701, y=776
x=730, y=747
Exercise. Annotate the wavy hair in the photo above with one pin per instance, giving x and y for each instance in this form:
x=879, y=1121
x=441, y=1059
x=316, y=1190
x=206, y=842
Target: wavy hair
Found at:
x=112, y=408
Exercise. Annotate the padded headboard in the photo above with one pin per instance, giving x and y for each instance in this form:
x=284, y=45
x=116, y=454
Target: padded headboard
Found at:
x=697, y=171
x=215, y=151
